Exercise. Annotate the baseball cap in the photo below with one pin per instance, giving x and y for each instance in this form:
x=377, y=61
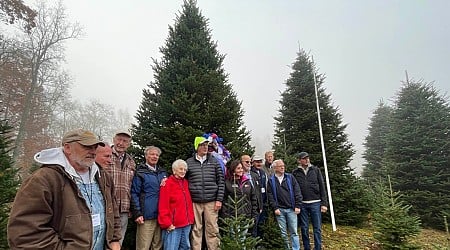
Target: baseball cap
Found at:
x=257, y=158
x=84, y=137
x=302, y=155
x=199, y=140
x=123, y=132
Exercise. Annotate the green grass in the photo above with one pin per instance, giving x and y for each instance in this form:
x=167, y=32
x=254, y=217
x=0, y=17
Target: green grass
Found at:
x=346, y=237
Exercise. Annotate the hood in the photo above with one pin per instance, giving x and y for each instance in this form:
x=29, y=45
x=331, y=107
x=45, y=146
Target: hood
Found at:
x=51, y=156
x=55, y=156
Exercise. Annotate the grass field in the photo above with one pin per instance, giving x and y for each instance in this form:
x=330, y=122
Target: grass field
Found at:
x=362, y=238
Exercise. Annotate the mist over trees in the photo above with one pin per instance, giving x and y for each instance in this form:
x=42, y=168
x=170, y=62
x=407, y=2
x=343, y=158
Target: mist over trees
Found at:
x=415, y=150
x=375, y=169
x=35, y=95
x=190, y=94
x=297, y=129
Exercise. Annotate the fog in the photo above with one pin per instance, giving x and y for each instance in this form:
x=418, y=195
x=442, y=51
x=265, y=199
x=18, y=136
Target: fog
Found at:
x=363, y=47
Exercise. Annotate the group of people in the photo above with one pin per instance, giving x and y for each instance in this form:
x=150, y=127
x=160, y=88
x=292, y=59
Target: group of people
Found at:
x=85, y=191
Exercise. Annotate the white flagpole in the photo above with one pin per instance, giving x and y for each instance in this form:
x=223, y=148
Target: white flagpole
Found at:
x=327, y=179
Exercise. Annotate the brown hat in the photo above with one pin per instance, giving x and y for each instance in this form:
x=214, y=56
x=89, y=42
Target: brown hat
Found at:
x=84, y=137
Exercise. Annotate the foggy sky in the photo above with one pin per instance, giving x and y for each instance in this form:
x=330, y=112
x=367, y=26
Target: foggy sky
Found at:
x=363, y=47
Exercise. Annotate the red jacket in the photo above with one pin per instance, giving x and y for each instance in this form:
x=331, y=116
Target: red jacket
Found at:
x=175, y=204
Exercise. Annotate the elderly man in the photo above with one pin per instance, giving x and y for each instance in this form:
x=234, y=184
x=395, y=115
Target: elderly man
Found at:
x=103, y=157
x=258, y=169
x=68, y=203
x=206, y=185
x=122, y=172
x=285, y=200
x=268, y=156
x=144, y=200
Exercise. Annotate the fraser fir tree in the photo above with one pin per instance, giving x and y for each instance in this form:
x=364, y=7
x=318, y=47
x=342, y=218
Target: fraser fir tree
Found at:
x=272, y=234
x=236, y=229
x=297, y=130
x=190, y=94
x=394, y=226
x=419, y=151
x=8, y=180
x=376, y=144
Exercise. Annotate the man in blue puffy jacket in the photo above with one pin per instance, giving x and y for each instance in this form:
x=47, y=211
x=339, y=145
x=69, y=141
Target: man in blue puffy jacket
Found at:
x=144, y=200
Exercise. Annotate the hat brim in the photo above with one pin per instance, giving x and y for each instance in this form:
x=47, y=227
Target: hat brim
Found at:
x=91, y=142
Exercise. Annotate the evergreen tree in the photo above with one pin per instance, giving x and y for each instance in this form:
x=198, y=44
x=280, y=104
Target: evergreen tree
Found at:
x=297, y=130
x=272, y=234
x=419, y=151
x=190, y=94
x=394, y=226
x=236, y=229
x=376, y=144
x=8, y=180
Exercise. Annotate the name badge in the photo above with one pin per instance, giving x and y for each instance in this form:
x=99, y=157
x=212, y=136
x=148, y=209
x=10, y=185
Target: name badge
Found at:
x=234, y=186
x=263, y=190
x=96, y=220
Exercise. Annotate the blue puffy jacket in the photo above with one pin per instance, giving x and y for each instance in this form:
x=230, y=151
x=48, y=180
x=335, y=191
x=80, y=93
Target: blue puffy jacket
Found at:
x=145, y=191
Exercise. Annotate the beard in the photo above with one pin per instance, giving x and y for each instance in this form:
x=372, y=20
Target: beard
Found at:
x=84, y=162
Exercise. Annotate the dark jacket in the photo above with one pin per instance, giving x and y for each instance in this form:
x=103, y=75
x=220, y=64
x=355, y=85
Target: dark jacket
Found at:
x=49, y=212
x=175, y=204
x=236, y=189
x=284, y=195
x=263, y=179
x=145, y=191
x=311, y=185
x=206, y=181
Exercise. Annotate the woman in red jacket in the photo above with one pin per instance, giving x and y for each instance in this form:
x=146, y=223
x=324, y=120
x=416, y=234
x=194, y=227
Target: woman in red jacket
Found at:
x=175, y=209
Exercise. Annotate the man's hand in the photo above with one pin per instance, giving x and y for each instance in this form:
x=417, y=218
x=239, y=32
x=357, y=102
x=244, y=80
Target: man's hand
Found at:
x=140, y=220
x=218, y=205
x=115, y=245
x=323, y=209
x=277, y=212
x=297, y=210
x=163, y=182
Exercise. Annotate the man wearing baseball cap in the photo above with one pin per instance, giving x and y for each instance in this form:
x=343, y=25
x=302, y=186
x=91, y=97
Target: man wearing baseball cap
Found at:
x=68, y=203
x=207, y=187
x=122, y=171
x=314, y=200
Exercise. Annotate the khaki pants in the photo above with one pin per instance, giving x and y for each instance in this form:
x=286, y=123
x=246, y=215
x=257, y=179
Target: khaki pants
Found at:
x=211, y=226
x=148, y=236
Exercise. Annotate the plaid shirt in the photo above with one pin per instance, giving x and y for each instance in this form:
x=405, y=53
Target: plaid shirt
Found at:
x=122, y=173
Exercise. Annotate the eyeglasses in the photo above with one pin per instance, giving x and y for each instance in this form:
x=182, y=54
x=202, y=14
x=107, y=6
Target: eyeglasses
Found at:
x=248, y=162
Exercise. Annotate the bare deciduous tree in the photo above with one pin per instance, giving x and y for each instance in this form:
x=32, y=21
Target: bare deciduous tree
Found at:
x=44, y=47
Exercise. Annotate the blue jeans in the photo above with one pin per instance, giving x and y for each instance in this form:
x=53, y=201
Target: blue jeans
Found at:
x=311, y=210
x=288, y=220
x=177, y=239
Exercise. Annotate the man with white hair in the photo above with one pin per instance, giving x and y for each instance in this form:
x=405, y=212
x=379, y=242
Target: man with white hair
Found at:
x=285, y=200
